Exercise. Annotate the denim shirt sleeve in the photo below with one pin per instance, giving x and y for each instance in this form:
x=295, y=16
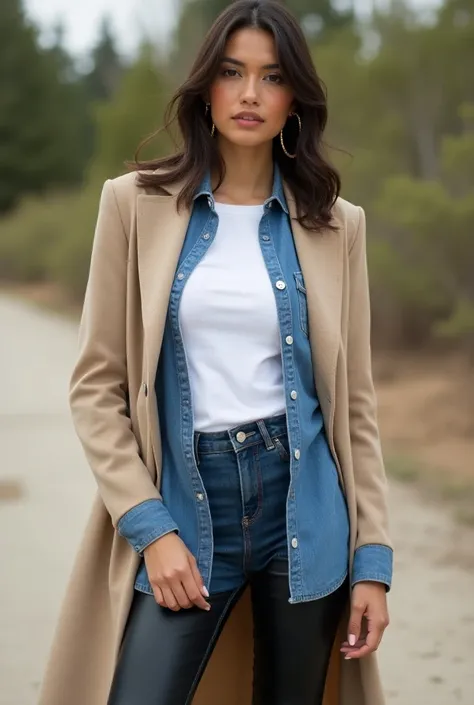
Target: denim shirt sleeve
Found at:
x=373, y=562
x=145, y=523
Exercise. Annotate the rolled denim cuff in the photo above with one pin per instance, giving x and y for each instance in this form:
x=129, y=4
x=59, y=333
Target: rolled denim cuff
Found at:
x=373, y=562
x=145, y=523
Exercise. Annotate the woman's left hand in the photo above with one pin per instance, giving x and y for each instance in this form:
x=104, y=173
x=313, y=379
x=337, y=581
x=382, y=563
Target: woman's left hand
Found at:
x=368, y=621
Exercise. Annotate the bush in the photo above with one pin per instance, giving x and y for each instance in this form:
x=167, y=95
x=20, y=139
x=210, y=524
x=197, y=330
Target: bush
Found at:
x=50, y=240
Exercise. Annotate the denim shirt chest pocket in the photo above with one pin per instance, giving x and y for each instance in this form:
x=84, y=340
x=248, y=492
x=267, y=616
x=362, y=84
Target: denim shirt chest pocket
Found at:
x=302, y=302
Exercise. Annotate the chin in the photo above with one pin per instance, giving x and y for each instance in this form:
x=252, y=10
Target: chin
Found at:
x=245, y=140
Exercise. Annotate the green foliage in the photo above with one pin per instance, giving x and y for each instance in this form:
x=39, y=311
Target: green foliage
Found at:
x=133, y=115
x=401, y=112
x=49, y=239
x=41, y=114
x=102, y=81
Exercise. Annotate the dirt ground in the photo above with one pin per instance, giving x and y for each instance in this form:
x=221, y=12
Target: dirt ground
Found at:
x=45, y=491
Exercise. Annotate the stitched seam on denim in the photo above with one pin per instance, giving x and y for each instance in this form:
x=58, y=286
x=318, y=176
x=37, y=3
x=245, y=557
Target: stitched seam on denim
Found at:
x=237, y=450
x=375, y=545
x=284, y=455
x=157, y=533
x=258, y=511
x=317, y=595
x=176, y=355
x=265, y=435
x=370, y=576
x=302, y=304
x=211, y=644
x=232, y=450
x=247, y=549
x=135, y=512
x=143, y=588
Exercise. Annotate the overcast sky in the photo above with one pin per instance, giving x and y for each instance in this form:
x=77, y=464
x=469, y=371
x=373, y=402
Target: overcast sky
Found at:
x=131, y=18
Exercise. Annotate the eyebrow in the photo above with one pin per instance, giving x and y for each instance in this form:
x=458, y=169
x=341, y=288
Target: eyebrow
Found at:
x=229, y=60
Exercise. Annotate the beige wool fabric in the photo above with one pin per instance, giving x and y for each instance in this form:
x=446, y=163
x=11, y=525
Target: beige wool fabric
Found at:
x=136, y=248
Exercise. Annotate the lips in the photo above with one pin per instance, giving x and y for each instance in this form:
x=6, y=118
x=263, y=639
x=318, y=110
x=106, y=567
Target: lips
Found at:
x=251, y=117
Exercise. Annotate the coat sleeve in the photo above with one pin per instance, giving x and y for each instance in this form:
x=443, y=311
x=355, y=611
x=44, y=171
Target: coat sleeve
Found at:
x=374, y=556
x=99, y=389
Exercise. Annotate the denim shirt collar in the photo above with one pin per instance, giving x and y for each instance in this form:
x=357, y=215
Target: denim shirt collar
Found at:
x=278, y=193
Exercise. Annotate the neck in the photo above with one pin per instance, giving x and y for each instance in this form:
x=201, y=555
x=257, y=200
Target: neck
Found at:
x=249, y=174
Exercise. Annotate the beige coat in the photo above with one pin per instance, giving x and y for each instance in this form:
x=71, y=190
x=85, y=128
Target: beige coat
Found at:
x=136, y=248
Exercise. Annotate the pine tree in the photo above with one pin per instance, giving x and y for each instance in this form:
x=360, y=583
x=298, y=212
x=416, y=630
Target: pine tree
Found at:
x=40, y=125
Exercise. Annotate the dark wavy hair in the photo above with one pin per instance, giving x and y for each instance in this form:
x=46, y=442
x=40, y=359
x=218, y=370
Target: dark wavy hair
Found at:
x=315, y=184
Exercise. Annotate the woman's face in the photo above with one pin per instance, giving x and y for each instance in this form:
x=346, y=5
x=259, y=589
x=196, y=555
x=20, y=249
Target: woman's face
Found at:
x=250, y=81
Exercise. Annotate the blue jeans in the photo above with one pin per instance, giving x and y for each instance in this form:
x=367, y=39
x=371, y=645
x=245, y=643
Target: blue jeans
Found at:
x=164, y=653
x=246, y=474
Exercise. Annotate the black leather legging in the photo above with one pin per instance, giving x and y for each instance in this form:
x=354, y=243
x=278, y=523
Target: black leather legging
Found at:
x=164, y=653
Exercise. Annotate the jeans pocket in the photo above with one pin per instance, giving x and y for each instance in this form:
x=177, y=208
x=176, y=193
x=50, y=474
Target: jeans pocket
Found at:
x=302, y=302
x=282, y=450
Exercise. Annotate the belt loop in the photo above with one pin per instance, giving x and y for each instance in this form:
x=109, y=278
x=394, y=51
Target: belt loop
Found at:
x=197, y=436
x=269, y=445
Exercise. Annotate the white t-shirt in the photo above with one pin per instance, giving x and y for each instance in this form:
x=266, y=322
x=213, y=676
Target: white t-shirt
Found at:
x=229, y=323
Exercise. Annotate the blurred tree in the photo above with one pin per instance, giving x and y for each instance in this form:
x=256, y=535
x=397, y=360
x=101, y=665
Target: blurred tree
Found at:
x=315, y=15
x=101, y=82
x=104, y=78
x=41, y=123
x=424, y=261
x=318, y=17
x=135, y=112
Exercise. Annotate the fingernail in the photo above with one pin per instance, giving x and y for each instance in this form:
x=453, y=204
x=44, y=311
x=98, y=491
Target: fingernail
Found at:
x=205, y=591
x=352, y=639
x=347, y=658
x=208, y=607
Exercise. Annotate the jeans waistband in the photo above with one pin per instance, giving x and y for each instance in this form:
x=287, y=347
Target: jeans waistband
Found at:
x=242, y=436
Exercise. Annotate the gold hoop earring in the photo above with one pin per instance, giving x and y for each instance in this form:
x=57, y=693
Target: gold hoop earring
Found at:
x=208, y=105
x=290, y=156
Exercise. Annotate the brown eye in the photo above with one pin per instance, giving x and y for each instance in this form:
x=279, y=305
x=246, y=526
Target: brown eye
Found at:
x=226, y=72
x=275, y=78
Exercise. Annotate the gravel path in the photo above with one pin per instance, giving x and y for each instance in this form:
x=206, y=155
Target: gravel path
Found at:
x=45, y=490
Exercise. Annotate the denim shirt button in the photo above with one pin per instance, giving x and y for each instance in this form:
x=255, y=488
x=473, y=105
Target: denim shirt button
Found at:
x=294, y=542
x=200, y=496
x=180, y=276
x=289, y=340
x=280, y=285
x=297, y=454
x=265, y=238
x=294, y=394
x=206, y=236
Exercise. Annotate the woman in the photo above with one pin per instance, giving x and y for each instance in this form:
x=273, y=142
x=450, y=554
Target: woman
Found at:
x=223, y=395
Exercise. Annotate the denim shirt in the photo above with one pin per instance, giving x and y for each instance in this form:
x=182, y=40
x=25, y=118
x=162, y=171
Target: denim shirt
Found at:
x=317, y=517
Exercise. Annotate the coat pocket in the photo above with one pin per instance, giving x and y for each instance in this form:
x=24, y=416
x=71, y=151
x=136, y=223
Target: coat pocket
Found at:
x=302, y=302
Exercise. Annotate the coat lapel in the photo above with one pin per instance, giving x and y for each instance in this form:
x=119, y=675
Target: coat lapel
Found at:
x=321, y=260
x=160, y=236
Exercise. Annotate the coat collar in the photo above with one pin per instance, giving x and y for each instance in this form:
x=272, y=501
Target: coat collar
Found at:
x=161, y=231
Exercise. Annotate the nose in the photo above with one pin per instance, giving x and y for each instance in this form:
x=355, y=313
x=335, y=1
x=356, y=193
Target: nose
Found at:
x=250, y=91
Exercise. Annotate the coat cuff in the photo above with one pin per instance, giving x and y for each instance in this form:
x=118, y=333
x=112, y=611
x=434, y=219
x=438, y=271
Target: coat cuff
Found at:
x=145, y=523
x=373, y=562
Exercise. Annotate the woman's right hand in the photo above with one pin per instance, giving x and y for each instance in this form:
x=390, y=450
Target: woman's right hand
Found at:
x=174, y=575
